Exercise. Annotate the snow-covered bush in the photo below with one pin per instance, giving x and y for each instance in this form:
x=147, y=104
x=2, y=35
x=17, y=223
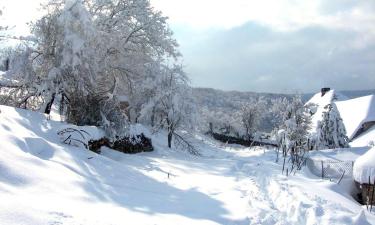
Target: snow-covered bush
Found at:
x=364, y=168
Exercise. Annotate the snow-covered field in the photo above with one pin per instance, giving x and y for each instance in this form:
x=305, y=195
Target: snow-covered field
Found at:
x=43, y=182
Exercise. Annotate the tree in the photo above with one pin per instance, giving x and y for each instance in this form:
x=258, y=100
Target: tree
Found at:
x=87, y=52
x=172, y=106
x=331, y=130
x=2, y=28
x=251, y=114
x=279, y=107
x=294, y=134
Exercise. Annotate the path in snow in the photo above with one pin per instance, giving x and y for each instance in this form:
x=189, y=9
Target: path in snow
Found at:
x=252, y=190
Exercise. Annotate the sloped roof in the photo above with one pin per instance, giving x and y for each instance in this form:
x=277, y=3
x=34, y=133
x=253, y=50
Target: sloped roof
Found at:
x=321, y=101
x=356, y=112
x=365, y=138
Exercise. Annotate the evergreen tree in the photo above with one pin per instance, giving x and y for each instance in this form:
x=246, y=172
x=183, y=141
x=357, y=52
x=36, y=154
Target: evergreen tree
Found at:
x=331, y=130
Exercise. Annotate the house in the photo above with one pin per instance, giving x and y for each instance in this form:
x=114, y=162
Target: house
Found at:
x=319, y=101
x=358, y=114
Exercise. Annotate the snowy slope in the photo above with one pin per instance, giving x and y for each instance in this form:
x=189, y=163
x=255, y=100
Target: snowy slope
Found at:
x=43, y=182
x=355, y=112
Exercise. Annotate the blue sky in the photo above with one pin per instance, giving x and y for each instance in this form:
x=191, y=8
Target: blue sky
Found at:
x=282, y=46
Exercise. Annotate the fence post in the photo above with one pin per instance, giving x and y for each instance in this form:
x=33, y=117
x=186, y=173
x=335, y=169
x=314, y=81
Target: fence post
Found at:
x=322, y=170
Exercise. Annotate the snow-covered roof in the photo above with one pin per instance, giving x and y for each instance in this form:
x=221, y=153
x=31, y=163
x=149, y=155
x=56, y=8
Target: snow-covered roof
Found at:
x=364, y=167
x=321, y=101
x=355, y=112
x=326, y=99
x=365, y=139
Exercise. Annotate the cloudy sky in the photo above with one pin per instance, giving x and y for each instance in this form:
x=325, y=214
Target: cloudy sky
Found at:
x=282, y=46
x=275, y=45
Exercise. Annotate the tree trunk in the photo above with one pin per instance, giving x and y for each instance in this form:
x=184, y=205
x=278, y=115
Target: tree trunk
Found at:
x=170, y=139
x=153, y=117
x=211, y=128
x=6, y=64
x=49, y=105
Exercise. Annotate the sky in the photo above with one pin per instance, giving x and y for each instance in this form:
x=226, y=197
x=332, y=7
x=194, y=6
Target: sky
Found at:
x=279, y=46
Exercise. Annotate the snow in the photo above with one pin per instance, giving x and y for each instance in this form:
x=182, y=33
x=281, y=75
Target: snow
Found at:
x=45, y=182
x=364, y=167
x=339, y=154
x=365, y=139
x=320, y=102
x=123, y=98
x=355, y=112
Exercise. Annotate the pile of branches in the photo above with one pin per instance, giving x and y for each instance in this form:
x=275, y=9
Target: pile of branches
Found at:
x=129, y=145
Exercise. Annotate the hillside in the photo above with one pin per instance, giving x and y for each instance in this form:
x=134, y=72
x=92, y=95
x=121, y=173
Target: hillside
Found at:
x=43, y=182
x=230, y=103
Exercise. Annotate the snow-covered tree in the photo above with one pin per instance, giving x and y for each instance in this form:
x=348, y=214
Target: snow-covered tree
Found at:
x=172, y=106
x=293, y=135
x=2, y=28
x=251, y=114
x=278, y=108
x=86, y=53
x=331, y=132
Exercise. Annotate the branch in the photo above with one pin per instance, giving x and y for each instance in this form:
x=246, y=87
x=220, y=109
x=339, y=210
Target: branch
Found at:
x=181, y=141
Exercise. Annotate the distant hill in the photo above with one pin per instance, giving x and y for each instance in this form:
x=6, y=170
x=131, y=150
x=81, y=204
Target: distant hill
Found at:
x=349, y=94
x=230, y=102
x=243, y=96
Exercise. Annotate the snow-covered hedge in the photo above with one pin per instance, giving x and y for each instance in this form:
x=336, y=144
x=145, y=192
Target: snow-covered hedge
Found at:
x=364, y=167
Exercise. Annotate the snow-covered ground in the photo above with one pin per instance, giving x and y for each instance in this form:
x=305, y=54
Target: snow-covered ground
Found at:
x=43, y=182
x=338, y=154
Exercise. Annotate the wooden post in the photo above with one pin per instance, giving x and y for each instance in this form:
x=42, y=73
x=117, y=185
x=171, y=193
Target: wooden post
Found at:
x=368, y=192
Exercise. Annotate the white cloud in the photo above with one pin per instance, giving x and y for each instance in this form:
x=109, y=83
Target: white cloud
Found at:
x=282, y=15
